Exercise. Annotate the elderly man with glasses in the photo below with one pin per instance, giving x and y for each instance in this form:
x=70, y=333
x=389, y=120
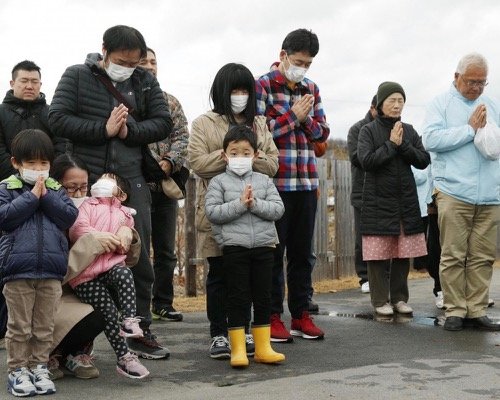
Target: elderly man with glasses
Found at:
x=467, y=193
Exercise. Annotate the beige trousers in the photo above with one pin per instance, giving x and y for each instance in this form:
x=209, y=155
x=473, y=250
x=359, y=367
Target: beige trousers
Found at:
x=31, y=306
x=468, y=235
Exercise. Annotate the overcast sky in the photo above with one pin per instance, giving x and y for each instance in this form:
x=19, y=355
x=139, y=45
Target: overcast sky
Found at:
x=362, y=43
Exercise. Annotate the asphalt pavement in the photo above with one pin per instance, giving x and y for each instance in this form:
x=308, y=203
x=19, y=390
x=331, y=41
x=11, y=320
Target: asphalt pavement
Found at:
x=398, y=358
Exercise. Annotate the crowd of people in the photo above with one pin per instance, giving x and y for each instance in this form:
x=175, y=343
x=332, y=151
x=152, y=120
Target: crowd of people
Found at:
x=83, y=197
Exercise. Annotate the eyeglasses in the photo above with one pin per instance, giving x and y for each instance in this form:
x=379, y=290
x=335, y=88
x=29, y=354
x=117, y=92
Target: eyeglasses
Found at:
x=474, y=84
x=81, y=189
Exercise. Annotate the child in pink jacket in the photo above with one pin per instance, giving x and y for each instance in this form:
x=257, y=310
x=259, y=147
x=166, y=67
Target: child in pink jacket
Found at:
x=104, y=212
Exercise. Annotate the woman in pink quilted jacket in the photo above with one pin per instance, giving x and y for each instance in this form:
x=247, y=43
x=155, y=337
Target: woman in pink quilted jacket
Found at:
x=104, y=212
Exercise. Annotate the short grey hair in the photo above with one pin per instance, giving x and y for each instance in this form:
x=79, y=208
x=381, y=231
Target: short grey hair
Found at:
x=471, y=59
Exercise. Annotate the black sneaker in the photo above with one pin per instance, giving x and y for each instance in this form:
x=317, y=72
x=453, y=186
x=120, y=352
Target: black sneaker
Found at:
x=167, y=313
x=219, y=348
x=312, y=307
x=147, y=346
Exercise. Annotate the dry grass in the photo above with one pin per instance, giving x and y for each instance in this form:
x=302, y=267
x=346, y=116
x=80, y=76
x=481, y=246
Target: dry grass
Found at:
x=193, y=304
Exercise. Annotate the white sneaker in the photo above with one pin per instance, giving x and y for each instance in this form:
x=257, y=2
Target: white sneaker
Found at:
x=386, y=309
x=20, y=383
x=403, y=308
x=365, y=287
x=491, y=302
x=439, y=300
x=42, y=381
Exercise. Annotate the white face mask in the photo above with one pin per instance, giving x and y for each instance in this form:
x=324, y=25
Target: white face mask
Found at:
x=78, y=201
x=103, y=188
x=118, y=73
x=240, y=165
x=239, y=102
x=31, y=176
x=294, y=73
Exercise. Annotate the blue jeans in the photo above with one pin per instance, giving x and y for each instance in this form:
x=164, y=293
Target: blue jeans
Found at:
x=163, y=228
x=295, y=232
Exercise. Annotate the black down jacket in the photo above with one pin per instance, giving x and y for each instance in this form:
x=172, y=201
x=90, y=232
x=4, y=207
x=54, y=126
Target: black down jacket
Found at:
x=389, y=190
x=357, y=173
x=82, y=105
x=18, y=114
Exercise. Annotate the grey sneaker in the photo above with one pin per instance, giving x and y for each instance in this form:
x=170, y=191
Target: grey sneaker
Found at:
x=82, y=366
x=219, y=348
x=147, y=346
x=54, y=367
x=250, y=345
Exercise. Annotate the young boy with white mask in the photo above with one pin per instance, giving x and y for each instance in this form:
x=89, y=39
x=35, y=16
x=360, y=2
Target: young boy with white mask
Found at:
x=104, y=212
x=242, y=206
x=34, y=214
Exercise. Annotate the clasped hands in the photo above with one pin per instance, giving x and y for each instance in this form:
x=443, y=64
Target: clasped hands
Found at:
x=247, y=196
x=117, y=122
x=478, y=118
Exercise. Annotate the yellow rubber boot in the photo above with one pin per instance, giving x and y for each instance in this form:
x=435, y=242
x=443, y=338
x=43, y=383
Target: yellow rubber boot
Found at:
x=263, y=350
x=239, y=357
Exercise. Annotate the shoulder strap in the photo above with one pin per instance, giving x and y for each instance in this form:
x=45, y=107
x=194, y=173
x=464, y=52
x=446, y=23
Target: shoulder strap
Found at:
x=115, y=92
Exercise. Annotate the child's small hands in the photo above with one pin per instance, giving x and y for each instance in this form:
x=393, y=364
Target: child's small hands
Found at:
x=39, y=189
x=247, y=196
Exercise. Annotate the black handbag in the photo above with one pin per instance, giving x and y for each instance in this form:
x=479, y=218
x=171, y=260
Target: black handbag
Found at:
x=151, y=170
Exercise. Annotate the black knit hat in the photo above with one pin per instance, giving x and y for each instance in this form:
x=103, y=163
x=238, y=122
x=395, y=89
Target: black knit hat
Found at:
x=386, y=89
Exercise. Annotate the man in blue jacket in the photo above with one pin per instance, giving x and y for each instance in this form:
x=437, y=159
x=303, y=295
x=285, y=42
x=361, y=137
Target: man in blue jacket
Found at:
x=467, y=193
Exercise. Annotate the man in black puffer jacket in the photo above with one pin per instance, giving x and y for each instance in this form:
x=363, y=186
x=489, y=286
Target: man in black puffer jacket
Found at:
x=109, y=137
x=24, y=107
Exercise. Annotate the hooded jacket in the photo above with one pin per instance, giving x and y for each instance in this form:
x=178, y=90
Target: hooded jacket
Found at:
x=101, y=215
x=204, y=155
x=233, y=224
x=82, y=105
x=33, y=243
x=389, y=190
x=16, y=115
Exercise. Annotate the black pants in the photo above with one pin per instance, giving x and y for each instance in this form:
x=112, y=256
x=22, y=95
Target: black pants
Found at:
x=248, y=276
x=295, y=232
x=81, y=335
x=216, y=297
x=140, y=199
x=163, y=229
x=433, y=251
x=359, y=264
x=216, y=290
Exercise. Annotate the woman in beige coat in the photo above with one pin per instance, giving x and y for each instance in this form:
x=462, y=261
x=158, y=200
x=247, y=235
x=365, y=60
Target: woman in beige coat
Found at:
x=233, y=98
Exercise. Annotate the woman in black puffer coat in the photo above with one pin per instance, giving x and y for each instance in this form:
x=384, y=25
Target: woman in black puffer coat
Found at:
x=391, y=224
